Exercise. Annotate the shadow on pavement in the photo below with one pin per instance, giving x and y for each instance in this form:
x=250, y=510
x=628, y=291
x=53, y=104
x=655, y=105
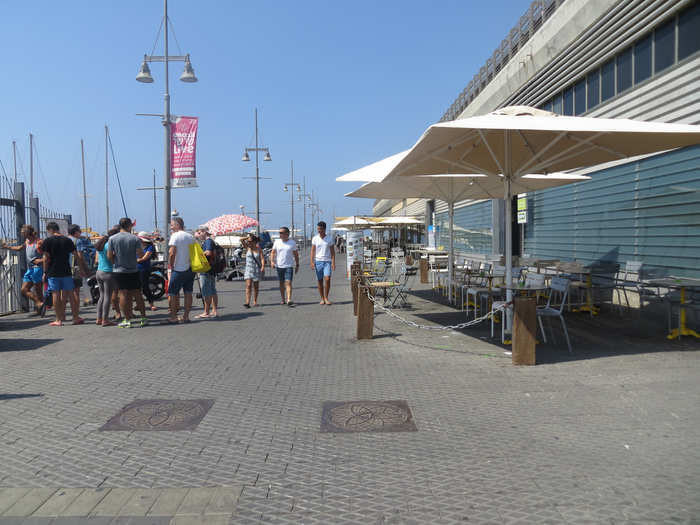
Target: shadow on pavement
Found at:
x=8, y=397
x=21, y=344
x=237, y=316
x=605, y=335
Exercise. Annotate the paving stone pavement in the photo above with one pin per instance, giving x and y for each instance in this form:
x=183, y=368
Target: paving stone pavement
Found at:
x=608, y=438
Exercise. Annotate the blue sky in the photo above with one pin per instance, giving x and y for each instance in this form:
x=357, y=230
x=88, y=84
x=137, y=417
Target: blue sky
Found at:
x=337, y=84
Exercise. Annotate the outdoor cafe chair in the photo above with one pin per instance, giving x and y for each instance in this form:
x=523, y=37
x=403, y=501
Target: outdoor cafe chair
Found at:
x=437, y=267
x=633, y=281
x=533, y=280
x=559, y=288
x=481, y=288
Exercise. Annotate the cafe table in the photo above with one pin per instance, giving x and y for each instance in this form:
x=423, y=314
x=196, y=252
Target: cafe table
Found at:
x=678, y=283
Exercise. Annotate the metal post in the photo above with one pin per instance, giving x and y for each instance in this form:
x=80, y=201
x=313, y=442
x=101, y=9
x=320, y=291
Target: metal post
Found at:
x=31, y=165
x=107, y=179
x=166, y=124
x=303, y=200
x=291, y=197
x=34, y=212
x=257, y=176
x=82, y=157
x=19, y=222
x=508, y=229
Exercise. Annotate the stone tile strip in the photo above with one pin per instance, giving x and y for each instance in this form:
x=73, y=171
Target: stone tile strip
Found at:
x=29, y=502
x=167, y=502
x=119, y=506
x=58, y=502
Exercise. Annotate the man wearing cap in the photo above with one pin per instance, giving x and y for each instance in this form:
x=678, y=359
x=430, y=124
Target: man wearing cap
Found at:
x=124, y=252
x=207, y=281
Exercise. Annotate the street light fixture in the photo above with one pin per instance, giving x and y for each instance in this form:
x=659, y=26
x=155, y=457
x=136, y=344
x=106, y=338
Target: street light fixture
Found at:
x=145, y=77
x=267, y=158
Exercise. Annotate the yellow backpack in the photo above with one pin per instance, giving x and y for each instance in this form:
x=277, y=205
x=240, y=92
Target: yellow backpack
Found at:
x=198, y=261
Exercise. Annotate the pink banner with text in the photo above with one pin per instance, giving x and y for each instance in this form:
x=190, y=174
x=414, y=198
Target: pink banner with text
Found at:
x=183, y=148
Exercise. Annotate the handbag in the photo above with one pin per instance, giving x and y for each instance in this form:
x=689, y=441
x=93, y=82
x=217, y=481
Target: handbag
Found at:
x=198, y=261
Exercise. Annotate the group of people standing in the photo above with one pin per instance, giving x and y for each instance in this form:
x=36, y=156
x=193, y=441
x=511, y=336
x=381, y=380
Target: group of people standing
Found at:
x=123, y=265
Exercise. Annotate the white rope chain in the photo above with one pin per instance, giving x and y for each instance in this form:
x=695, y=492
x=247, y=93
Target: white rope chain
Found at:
x=466, y=324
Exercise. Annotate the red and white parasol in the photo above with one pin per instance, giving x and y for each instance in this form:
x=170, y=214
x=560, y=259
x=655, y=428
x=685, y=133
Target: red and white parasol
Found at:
x=230, y=223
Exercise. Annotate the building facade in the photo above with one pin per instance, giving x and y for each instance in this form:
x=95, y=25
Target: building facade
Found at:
x=637, y=59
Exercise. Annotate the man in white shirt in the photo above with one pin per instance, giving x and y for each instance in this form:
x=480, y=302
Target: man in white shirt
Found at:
x=284, y=256
x=323, y=261
x=181, y=274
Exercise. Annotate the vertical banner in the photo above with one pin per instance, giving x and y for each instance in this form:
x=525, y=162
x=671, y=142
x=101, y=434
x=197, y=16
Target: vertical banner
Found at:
x=354, y=247
x=183, y=148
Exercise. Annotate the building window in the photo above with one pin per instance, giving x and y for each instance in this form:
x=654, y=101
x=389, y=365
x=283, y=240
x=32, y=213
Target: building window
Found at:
x=593, y=82
x=607, y=80
x=689, y=31
x=547, y=106
x=580, y=97
x=556, y=104
x=568, y=101
x=642, y=60
x=664, y=46
x=624, y=70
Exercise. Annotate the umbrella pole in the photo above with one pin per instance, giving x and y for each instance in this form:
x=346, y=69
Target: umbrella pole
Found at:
x=450, y=259
x=508, y=241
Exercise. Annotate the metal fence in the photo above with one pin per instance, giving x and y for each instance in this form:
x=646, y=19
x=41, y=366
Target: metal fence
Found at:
x=18, y=208
x=538, y=12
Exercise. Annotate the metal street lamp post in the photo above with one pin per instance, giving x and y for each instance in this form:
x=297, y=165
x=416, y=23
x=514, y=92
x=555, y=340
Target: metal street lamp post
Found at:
x=293, y=186
x=246, y=158
x=243, y=210
x=145, y=77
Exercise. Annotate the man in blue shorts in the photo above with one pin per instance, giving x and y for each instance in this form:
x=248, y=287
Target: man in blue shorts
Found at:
x=285, y=258
x=57, y=251
x=323, y=261
x=32, y=279
x=181, y=274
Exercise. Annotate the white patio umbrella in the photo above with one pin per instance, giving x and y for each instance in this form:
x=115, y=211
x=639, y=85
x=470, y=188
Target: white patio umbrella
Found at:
x=518, y=140
x=374, y=172
x=455, y=188
x=352, y=222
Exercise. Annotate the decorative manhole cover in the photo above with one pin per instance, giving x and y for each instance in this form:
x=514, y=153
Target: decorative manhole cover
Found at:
x=160, y=414
x=367, y=416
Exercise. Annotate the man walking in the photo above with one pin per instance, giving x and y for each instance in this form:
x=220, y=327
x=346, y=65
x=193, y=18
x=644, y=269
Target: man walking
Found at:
x=57, y=251
x=124, y=250
x=207, y=281
x=285, y=258
x=181, y=274
x=33, y=277
x=322, y=261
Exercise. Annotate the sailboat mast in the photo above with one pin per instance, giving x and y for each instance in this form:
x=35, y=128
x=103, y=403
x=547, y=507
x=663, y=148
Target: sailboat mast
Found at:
x=14, y=158
x=82, y=155
x=31, y=166
x=106, y=178
x=155, y=206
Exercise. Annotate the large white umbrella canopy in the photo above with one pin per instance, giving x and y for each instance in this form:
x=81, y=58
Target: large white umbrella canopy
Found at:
x=455, y=188
x=375, y=171
x=518, y=140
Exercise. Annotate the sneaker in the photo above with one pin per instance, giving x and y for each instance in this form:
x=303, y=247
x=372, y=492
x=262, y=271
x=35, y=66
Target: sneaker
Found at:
x=125, y=323
x=143, y=322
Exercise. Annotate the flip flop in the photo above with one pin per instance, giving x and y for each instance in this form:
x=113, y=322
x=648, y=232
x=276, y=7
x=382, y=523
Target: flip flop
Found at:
x=56, y=323
x=170, y=321
x=201, y=316
x=79, y=320
x=246, y=305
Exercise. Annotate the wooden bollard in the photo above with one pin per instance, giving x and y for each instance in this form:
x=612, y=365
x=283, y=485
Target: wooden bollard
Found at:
x=356, y=280
x=365, y=313
x=423, y=264
x=524, y=330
